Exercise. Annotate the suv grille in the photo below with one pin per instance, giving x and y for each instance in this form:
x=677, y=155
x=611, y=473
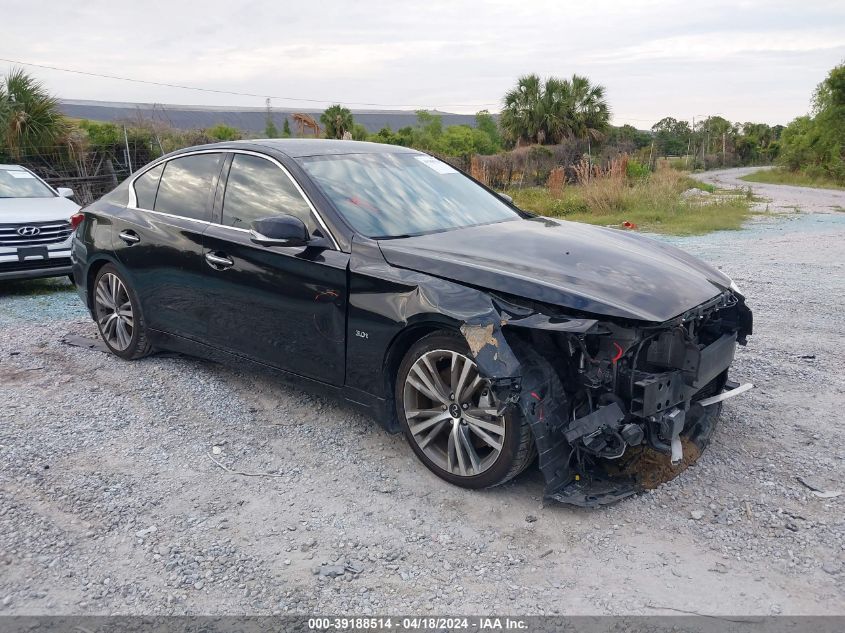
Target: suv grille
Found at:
x=34, y=233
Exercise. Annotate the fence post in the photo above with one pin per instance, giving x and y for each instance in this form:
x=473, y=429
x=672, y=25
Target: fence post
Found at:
x=110, y=171
x=128, y=157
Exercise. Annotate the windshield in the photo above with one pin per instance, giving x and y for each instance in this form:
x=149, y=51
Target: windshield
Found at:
x=393, y=195
x=18, y=183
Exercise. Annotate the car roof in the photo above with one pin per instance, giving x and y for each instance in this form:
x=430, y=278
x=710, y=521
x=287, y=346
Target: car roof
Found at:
x=289, y=147
x=301, y=147
x=13, y=168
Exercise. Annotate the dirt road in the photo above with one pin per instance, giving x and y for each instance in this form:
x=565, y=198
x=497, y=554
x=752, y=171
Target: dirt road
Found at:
x=125, y=487
x=778, y=198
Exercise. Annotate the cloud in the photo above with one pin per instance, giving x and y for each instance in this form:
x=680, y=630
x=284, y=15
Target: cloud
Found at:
x=747, y=59
x=721, y=46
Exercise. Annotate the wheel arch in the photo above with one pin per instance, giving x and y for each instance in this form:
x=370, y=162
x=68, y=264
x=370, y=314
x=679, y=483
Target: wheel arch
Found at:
x=396, y=351
x=93, y=268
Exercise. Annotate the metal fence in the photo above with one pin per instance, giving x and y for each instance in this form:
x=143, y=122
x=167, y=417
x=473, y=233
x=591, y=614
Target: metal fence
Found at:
x=91, y=173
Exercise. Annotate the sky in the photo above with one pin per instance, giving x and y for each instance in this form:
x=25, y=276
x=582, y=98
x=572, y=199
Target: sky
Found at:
x=744, y=60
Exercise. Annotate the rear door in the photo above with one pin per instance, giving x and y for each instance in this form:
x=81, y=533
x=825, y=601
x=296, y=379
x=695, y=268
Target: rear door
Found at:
x=159, y=241
x=282, y=306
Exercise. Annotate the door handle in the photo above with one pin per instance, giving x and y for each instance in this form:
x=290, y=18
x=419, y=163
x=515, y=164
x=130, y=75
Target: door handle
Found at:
x=218, y=262
x=130, y=237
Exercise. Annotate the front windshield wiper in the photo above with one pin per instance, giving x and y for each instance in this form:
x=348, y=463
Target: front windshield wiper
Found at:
x=391, y=237
x=444, y=229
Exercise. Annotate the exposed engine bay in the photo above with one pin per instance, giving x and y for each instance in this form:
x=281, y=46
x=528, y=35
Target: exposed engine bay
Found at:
x=618, y=407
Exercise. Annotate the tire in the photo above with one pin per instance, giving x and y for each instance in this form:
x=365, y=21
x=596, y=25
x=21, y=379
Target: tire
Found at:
x=433, y=432
x=123, y=331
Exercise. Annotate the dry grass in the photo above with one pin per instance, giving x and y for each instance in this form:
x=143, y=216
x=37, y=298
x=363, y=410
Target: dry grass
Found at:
x=606, y=196
x=556, y=181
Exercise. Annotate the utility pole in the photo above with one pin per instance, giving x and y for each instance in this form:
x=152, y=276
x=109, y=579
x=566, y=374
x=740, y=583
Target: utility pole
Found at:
x=689, y=142
x=269, y=124
x=723, y=148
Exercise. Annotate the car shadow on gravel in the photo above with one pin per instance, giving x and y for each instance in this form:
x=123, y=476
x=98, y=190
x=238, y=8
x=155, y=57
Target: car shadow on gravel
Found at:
x=33, y=287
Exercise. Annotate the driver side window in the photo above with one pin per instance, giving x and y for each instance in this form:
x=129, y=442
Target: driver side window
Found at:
x=256, y=189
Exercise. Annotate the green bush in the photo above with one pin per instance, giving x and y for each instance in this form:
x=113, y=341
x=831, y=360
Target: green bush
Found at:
x=569, y=205
x=359, y=132
x=102, y=135
x=223, y=132
x=637, y=171
x=429, y=135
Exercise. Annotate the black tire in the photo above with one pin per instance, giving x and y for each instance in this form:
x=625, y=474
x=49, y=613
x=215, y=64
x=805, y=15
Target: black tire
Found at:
x=517, y=446
x=139, y=345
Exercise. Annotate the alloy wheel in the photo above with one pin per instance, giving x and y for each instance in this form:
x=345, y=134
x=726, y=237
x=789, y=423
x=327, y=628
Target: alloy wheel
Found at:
x=452, y=414
x=114, y=312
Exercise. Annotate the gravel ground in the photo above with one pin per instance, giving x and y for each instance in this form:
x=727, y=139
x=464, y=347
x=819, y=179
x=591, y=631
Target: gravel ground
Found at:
x=110, y=501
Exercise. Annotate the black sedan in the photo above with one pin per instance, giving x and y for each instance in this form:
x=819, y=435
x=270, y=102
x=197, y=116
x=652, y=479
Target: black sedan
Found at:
x=392, y=280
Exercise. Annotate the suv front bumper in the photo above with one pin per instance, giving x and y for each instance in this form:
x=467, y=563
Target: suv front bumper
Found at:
x=35, y=262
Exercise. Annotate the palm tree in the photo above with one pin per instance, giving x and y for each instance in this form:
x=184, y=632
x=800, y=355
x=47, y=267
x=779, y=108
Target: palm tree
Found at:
x=549, y=111
x=521, y=117
x=590, y=109
x=557, y=113
x=337, y=120
x=30, y=121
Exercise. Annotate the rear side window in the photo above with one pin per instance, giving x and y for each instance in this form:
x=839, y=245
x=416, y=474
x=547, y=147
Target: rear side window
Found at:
x=146, y=187
x=256, y=189
x=186, y=186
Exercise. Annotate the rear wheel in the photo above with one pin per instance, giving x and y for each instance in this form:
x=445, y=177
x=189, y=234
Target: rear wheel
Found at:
x=450, y=416
x=118, y=315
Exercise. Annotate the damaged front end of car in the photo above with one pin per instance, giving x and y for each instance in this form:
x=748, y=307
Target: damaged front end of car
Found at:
x=615, y=407
x=617, y=402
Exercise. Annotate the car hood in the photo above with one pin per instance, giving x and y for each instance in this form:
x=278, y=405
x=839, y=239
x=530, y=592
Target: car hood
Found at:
x=578, y=266
x=22, y=210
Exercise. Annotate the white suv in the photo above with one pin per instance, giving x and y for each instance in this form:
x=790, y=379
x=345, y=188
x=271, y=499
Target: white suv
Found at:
x=35, y=226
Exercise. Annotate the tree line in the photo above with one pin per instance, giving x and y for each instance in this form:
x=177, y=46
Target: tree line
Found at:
x=571, y=113
x=815, y=143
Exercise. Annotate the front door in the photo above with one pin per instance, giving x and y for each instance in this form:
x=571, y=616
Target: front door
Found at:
x=282, y=306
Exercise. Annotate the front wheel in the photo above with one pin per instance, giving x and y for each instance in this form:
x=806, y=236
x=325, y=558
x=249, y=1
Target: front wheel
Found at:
x=118, y=315
x=450, y=416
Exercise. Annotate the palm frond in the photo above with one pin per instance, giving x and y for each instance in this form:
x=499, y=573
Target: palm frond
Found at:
x=30, y=120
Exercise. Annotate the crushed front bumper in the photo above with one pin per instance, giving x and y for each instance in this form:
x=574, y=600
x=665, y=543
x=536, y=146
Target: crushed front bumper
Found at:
x=644, y=468
x=617, y=408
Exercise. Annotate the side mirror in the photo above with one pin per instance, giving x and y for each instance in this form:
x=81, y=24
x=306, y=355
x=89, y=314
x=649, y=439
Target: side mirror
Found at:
x=280, y=230
x=506, y=198
x=65, y=192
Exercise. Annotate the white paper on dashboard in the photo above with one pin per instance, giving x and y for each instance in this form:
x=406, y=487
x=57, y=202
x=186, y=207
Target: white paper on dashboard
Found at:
x=437, y=165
